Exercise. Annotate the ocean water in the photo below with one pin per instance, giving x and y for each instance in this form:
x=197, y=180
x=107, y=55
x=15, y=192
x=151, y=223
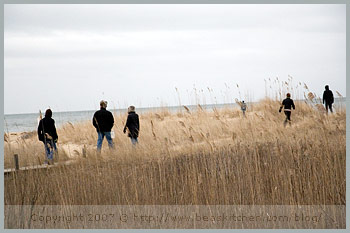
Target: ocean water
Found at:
x=29, y=122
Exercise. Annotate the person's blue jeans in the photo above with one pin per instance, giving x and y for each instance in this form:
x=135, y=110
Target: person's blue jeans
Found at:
x=134, y=141
x=101, y=135
x=50, y=148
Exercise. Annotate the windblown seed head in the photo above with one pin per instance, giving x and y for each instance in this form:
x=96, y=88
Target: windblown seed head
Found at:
x=310, y=96
x=340, y=95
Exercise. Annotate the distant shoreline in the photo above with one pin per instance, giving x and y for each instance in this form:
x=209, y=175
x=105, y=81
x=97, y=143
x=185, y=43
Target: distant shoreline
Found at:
x=15, y=123
x=27, y=123
x=142, y=109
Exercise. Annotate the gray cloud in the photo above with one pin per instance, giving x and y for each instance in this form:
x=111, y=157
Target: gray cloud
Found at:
x=42, y=18
x=66, y=56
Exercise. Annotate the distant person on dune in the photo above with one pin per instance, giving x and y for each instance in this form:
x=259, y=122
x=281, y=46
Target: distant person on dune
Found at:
x=328, y=98
x=48, y=135
x=243, y=107
x=103, y=121
x=288, y=104
x=133, y=125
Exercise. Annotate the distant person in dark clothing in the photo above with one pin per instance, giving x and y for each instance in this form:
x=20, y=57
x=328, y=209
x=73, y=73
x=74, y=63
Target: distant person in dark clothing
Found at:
x=243, y=107
x=328, y=98
x=103, y=121
x=288, y=104
x=48, y=135
x=133, y=125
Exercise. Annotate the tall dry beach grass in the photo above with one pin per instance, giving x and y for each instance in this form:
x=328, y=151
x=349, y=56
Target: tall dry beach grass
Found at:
x=193, y=157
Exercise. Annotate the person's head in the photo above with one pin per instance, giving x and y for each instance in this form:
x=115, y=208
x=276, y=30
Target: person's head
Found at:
x=131, y=109
x=242, y=101
x=288, y=95
x=103, y=104
x=48, y=113
x=326, y=87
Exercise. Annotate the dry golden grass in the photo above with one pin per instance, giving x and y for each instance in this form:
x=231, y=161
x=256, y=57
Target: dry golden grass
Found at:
x=193, y=157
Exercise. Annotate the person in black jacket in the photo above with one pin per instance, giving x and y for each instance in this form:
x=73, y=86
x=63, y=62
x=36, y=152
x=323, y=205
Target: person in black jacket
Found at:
x=243, y=107
x=48, y=135
x=103, y=121
x=328, y=98
x=288, y=104
x=133, y=125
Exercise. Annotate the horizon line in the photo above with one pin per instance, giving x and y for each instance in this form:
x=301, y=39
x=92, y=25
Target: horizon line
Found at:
x=172, y=106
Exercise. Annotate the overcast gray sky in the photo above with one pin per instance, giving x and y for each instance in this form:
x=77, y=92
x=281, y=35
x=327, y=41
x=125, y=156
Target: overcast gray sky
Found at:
x=69, y=57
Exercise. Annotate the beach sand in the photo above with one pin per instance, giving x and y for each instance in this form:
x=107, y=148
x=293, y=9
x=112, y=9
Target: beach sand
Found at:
x=31, y=151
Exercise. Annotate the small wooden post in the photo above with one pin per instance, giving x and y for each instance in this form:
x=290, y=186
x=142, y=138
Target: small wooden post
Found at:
x=15, y=156
x=84, y=151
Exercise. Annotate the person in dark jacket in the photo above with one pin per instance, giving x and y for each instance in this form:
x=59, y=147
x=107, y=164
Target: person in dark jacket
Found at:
x=243, y=107
x=288, y=104
x=103, y=121
x=133, y=125
x=48, y=135
x=328, y=98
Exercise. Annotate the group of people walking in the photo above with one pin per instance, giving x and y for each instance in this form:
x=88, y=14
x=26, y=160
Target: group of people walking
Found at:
x=103, y=121
x=288, y=104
